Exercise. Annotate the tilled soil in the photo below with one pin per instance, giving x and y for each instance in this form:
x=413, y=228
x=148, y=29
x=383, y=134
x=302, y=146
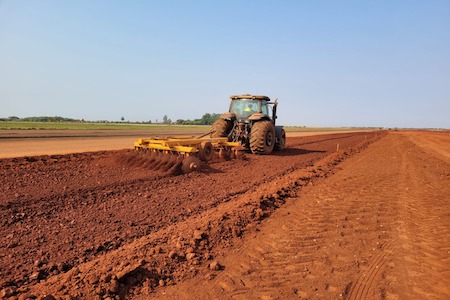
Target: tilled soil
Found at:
x=96, y=225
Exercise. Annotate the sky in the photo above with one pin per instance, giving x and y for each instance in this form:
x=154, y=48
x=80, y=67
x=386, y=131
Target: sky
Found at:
x=330, y=63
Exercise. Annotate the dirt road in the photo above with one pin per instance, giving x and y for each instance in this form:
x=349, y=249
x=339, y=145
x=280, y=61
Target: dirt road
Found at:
x=362, y=223
x=17, y=143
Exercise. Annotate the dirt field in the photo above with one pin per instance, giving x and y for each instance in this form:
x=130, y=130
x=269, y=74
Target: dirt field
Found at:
x=369, y=221
x=17, y=143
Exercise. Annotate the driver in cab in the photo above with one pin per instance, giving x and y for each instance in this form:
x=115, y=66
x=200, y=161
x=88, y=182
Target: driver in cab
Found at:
x=248, y=110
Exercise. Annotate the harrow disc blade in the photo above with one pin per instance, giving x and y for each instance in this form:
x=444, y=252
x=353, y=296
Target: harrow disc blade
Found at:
x=225, y=154
x=190, y=164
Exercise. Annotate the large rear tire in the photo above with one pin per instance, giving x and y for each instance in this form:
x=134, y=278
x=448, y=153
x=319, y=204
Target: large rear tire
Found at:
x=220, y=128
x=281, y=141
x=262, y=137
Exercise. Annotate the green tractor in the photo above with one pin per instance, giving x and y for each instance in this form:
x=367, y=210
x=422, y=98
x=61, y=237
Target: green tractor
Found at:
x=251, y=122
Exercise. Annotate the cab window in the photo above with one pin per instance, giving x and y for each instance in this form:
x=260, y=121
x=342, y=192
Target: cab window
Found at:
x=264, y=108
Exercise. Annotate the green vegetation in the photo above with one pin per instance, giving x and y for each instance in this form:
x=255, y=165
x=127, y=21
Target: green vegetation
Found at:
x=39, y=119
x=206, y=119
x=45, y=122
x=91, y=126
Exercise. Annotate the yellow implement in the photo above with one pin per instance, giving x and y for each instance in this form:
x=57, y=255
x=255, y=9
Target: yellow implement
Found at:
x=192, y=148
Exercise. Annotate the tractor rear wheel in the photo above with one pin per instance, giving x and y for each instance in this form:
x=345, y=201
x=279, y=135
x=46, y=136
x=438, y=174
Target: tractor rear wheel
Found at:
x=220, y=128
x=281, y=141
x=262, y=137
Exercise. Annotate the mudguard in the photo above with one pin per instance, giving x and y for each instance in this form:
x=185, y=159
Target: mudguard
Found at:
x=258, y=117
x=278, y=131
x=228, y=116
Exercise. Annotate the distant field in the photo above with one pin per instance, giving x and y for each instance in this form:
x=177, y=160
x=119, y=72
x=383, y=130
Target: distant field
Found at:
x=93, y=126
x=134, y=126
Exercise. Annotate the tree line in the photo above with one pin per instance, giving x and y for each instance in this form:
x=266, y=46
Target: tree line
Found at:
x=39, y=119
x=206, y=119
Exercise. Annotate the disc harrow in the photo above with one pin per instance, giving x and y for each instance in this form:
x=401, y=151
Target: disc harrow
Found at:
x=186, y=152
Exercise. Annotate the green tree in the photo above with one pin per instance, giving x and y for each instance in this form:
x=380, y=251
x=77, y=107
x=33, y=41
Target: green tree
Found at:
x=208, y=119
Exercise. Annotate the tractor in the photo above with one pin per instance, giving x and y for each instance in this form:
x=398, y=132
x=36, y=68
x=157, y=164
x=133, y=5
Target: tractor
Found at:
x=250, y=121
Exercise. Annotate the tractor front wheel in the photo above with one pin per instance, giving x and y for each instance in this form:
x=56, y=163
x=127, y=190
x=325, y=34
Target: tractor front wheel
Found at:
x=281, y=141
x=262, y=137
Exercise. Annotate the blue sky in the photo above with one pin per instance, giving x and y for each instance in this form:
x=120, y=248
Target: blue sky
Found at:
x=330, y=63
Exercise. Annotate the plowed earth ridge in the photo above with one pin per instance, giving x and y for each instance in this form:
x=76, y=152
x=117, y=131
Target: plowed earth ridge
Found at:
x=65, y=216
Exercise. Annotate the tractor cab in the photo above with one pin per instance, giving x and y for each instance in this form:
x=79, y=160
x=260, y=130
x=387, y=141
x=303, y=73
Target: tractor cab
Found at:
x=252, y=108
x=243, y=108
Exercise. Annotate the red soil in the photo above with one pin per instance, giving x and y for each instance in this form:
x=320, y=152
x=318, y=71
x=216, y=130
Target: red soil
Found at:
x=97, y=225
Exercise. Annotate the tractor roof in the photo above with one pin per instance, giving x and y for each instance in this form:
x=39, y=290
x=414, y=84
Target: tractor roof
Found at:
x=248, y=96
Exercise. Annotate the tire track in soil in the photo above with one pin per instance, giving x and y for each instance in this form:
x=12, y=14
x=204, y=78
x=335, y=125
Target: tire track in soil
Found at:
x=410, y=192
x=423, y=227
x=379, y=228
x=365, y=284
